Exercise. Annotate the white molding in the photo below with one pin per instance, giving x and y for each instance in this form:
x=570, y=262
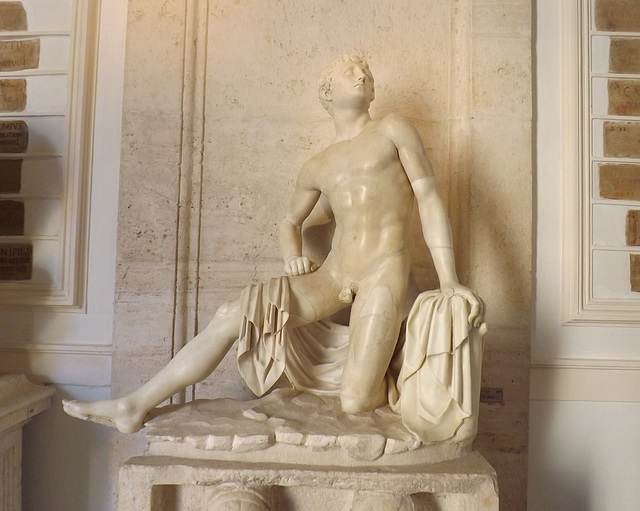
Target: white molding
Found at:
x=68, y=292
x=585, y=380
x=572, y=150
x=579, y=304
x=65, y=364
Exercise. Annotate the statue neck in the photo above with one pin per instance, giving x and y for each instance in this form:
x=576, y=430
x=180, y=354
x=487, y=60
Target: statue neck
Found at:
x=349, y=123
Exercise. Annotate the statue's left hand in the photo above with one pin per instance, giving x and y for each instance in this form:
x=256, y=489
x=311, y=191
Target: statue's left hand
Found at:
x=476, y=314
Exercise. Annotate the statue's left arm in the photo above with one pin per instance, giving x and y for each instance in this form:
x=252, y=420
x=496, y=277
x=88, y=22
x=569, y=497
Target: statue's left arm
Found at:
x=436, y=228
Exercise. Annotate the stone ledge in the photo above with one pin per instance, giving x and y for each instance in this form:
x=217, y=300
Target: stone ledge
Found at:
x=291, y=427
x=20, y=400
x=470, y=475
x=464, y=475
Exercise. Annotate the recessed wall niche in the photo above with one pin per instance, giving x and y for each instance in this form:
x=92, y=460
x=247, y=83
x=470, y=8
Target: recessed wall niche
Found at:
x=47, y=61
x=601, y=256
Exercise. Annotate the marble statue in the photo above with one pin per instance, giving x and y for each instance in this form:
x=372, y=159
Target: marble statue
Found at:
x=368, y=178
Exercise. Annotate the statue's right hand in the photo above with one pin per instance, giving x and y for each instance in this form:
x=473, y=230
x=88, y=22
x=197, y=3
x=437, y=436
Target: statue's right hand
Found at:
x=299, y=265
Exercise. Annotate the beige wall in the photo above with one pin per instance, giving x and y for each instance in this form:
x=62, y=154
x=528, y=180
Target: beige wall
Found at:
x=216, y=127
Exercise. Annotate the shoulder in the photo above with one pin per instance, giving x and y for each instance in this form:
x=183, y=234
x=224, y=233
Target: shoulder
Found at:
x=409, y=145
x=309, y=172
x=394, y=121
x=398, y=128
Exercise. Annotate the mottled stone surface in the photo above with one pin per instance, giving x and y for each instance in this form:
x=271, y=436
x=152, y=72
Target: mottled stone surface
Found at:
x=288, y=426
x=632, y=228
x=19, y=54
x=621, y=139
x=624, y=97
x=464, y=484
x=14, y=136
x=13, y=95
x=617, y=15
x=11, y=218
x=16, y=261
x=634, y=271
x=624, y=55
x=619, y=181
x=10, y=176
x=12, y=16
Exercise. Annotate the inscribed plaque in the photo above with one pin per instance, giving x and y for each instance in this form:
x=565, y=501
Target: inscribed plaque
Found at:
x=13, y=95
x=620, y=182
x=16, y=261
x=624, y=55
x=14, y=136
x=10, y=176
x=12, y=16
x=624, y=97
x=11, y=218
x=622, y=139
x=16, y=55
x=632, y=230
x=618, y=15
x=635, y=272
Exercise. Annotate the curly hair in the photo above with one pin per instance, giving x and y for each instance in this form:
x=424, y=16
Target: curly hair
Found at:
x=326, y=78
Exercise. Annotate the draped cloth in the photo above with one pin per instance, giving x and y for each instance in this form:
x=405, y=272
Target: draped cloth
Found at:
x=312, y=356
x=440, y=368
x=433, y=389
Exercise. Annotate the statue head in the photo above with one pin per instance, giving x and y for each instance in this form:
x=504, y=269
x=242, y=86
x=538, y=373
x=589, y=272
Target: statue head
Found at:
x=326, y=79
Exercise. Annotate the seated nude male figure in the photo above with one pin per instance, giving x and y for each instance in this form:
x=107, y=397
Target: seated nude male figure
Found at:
x=369, y=175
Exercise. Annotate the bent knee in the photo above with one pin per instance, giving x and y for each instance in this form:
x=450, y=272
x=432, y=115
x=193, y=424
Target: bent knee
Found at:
x=229, y=308
x=226, y=319
x=351, y=403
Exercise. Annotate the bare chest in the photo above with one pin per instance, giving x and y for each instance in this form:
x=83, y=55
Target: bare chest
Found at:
x=367, y=164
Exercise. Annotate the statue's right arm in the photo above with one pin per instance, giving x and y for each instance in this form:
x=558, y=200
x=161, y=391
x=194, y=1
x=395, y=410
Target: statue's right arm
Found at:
x=304, y=199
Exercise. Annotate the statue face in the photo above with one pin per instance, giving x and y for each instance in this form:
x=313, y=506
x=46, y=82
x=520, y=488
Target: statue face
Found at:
x=351, y=86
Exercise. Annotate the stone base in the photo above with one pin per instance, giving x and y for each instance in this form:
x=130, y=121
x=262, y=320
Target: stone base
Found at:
x=164, y=483
x=291, y=451
x=20, y=400
x=293, y=427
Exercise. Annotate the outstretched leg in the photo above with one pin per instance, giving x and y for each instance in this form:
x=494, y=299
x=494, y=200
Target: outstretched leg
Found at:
x=192, y=364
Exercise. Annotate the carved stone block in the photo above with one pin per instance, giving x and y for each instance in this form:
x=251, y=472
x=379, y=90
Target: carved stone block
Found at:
x=16, y=55
x=13, y=17
x=624, y=55
x=632, y=230
x=620, y=182
x=366, y=501
x=11, y=218
x=618, y=15
x=635, y=272
x=14, y=136
x=624, y=97
x=10, y=176
x=468, y=483
x=13, y=95
x=622, y=139
x=16, y=261
x=235, y=497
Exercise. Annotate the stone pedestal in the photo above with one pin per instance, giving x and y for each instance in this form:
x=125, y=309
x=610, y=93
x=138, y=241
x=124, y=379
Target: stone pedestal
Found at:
x=468, y=483
x=20, y=400
x=291, y=451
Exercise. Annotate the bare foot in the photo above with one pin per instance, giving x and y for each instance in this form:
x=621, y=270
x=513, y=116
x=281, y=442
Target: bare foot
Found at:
x=116, y=413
